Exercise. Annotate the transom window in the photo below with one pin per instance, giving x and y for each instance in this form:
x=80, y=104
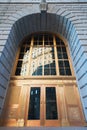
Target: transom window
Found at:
x=43, y=54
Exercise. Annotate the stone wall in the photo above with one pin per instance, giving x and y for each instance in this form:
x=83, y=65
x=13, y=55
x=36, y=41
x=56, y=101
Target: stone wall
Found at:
x=46, y=0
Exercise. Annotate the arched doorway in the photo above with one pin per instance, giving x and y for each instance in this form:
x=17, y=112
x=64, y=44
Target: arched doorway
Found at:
x=43, y=89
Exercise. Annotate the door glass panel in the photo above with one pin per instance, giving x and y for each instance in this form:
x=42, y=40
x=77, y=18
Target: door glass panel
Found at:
x=51, y=106
x=34, y=104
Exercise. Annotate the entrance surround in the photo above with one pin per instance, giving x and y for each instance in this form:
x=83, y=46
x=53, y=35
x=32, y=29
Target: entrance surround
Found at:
x=48, y=22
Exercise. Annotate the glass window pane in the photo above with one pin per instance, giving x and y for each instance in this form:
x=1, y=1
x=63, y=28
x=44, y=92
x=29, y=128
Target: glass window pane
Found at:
x=51, y=106
x=66, y=63
x=52, y=65
x=46, y=72
x=46, y=66
x=57, y=40
x=59, y=49
x=50, y=38
x=63, y=49
x=62, y=43
x=45, y=37
x=35, y=42
x=53, y=71
x=60, y=56
x=18, y=70
x=34, y=73
x=50, y=94
x=27, y=49
x=68, y=71
x=65, y=56
x=35, y=37
x=50, y=43
x=62, y=72
x=19, y=64
x=36, y=61
x=34, y=104
x=52, y=53
x=40, y=43
x=41, y=38
x=46, y=43
x=51, y=111
x=39, y=71
x=61, y=64
x=21, y=55
x=22, y=49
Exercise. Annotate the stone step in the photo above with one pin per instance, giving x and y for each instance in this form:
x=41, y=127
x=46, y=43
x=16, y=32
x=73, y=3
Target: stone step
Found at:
x=43, y=128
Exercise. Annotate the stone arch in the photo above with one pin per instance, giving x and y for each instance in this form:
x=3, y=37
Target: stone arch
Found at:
x=51, y=23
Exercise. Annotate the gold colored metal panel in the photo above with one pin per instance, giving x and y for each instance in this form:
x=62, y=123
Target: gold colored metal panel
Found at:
x=16, y=106
x=70, y=95
x=13, y=95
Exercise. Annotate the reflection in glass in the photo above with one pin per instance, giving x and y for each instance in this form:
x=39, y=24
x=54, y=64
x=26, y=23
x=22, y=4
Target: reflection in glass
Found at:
x=49, y=62
x=38, y=55
x=34, y=105
x=36, y=61
x=23, y=61
x=51, y=106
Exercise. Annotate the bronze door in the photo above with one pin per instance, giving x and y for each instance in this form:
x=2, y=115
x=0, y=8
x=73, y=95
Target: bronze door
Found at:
x=56, y=106
x=43, y=106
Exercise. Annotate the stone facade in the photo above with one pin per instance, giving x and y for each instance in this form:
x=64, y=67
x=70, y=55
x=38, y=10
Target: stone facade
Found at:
x=18, y=20
x=51, y=1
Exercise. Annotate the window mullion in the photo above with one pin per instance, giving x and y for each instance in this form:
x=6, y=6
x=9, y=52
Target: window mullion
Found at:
x=56, y=58
x=30, y=56
x=43, y=57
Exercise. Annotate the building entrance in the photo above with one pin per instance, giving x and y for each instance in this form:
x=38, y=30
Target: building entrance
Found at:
x=42, y=90
x=54, y=105
x=43, y=102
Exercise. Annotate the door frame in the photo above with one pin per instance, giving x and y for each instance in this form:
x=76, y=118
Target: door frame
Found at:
x=43, y=121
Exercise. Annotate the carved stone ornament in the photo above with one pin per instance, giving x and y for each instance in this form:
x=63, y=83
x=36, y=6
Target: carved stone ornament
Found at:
x=43, y=5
